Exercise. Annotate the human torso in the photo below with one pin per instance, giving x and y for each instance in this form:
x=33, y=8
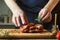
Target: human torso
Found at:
x=32, y=5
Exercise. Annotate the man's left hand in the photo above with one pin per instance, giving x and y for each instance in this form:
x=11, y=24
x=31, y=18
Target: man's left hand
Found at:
x=46, y=15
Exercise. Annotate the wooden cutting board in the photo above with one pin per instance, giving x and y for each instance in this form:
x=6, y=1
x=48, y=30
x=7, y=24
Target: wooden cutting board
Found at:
x=15, y=33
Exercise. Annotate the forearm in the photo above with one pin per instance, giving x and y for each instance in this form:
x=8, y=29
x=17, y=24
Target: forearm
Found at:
x=51, y=4
x=13, y=6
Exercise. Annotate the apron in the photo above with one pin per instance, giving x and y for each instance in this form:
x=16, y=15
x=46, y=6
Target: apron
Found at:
x=32, y=8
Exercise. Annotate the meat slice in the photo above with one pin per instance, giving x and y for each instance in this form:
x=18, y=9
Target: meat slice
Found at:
x=31, y=28
x=39, y=26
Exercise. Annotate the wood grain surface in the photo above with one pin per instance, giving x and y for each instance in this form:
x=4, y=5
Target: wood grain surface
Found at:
x=15, y=33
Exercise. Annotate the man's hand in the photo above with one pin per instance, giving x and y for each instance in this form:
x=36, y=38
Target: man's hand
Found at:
x=17, y=12
x=45, y=15
x=16, y=18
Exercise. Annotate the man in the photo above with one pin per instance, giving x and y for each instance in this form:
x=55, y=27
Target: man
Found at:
x=31, y=9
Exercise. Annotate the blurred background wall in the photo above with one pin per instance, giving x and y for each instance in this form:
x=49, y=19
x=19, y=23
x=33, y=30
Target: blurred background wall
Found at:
x=5, y=16
x=5, y=13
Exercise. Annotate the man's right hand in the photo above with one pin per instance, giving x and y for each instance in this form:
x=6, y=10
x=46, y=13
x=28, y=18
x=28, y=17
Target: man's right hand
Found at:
x=16, y=18
x=17, y=12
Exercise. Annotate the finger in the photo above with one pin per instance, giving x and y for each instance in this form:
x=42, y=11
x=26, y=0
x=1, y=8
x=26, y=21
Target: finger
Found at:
x=24, y=20
x=46, y=16
x=44, y=12
x=48, y=19
x=14, y=21
x=40, y=13
x=18, y=21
